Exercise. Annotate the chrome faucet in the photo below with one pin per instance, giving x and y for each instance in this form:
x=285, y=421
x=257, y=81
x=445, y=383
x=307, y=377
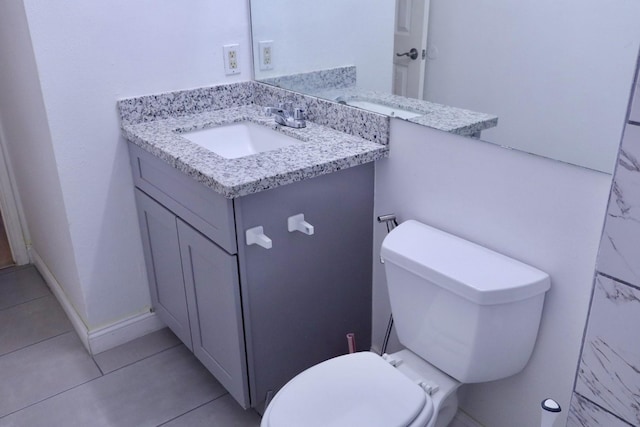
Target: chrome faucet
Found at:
x=285, y=115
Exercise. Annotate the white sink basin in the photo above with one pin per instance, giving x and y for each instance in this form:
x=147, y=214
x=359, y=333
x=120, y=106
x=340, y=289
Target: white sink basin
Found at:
x=239, y=139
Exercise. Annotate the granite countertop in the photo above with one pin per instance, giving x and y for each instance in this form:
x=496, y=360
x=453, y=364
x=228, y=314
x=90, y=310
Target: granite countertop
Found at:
x=437, y=116
x=323, y=150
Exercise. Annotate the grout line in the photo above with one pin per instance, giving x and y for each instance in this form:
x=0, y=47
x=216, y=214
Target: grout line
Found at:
x=603, y=409
x=97, y=366
x=615, y=279
x=191, y=410
x=36, y=343
x=13, y=268
x=144, y=358
x=8, y=266
x=49, y=397
x=86, y=382
x=49, y=294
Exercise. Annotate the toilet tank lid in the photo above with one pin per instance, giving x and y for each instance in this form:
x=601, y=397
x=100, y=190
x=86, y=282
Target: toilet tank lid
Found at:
x=469, y=270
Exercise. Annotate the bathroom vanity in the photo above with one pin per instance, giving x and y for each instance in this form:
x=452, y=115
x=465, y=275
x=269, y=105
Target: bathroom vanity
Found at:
x=255, y=314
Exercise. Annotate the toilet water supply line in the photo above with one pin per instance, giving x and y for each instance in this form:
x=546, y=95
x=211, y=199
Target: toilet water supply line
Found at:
x=351, y=342
x=390, y=221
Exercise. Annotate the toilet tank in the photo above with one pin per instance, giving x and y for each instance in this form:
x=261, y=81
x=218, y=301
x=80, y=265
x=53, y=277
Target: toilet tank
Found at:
x=469, y=311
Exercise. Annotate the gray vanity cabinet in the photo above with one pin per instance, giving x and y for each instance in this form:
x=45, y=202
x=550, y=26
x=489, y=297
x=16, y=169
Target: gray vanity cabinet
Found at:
x=195, y=291
x=215, y=311
x=256, y=317
x=162, y=256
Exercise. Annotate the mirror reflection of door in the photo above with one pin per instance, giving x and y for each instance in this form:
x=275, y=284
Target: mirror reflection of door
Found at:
x=412, y=18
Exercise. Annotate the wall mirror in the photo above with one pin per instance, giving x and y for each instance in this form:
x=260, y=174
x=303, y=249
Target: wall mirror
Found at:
x=544, y=76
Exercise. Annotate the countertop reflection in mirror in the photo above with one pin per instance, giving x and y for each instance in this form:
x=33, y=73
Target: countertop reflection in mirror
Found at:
x=548, y=77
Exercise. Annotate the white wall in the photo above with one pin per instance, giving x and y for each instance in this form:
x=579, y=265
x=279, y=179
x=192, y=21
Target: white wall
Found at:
x=74, y=179
x=542, y=212
x=557, y=74
x=328, y=34
x=25, y=133
x=89, y=54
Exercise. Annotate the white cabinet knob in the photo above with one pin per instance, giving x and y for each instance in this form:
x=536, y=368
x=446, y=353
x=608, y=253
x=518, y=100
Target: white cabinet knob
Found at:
x=256, y=236
x=297, y=223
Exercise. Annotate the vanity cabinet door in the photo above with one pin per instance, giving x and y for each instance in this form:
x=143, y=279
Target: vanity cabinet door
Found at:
x=162, y=257
x=213, y=292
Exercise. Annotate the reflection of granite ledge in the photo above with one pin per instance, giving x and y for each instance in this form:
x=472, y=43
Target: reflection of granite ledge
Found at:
x=437, y=116
x=340, y=83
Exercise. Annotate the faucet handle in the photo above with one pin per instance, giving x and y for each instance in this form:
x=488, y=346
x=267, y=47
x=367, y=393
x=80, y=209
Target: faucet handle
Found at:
x=299, y=114
x=272, y=110
x=285, y=106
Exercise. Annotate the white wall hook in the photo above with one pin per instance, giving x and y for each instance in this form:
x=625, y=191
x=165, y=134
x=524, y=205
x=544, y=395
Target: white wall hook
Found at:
x=297, y=223
x=256, y=236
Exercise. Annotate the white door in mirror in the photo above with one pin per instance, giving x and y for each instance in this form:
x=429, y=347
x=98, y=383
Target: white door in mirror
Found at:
x=412, y=20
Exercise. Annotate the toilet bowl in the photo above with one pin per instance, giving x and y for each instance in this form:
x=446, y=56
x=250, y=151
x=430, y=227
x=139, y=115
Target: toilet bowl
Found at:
x=464, y=314
x=365, y=389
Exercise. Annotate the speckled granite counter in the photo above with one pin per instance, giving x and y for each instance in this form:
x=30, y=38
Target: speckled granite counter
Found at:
x=324, y=150
x=340, y=84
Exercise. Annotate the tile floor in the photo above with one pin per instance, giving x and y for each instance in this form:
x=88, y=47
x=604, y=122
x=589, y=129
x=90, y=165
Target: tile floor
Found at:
x=47, y=378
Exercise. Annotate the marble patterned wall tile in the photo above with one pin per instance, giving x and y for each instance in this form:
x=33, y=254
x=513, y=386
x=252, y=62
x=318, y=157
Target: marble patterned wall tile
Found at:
x=354, y=121
x=179, y=103
x=609, y=372
x=619, y=254
x=585, y=414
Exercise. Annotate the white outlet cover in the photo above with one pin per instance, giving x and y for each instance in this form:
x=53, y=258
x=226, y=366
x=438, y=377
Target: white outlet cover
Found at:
x=231, y=58
x=265, y=54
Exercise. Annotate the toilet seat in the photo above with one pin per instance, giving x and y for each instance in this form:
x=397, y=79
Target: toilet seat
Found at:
x=359, y=389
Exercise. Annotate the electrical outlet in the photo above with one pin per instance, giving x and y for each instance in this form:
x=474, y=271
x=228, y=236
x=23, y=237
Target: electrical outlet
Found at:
x=231, y=59
x=265, y=54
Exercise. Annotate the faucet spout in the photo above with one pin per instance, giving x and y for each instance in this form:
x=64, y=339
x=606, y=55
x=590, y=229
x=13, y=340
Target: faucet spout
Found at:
x=286, y=117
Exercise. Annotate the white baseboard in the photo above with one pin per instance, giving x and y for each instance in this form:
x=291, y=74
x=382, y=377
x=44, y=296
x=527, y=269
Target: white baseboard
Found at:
x=76, y=321
x=463, y=420
x=123, y=331
x=104, y=338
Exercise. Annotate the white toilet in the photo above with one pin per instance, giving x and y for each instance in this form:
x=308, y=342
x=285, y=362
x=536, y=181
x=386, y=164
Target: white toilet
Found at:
x=464, y=313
